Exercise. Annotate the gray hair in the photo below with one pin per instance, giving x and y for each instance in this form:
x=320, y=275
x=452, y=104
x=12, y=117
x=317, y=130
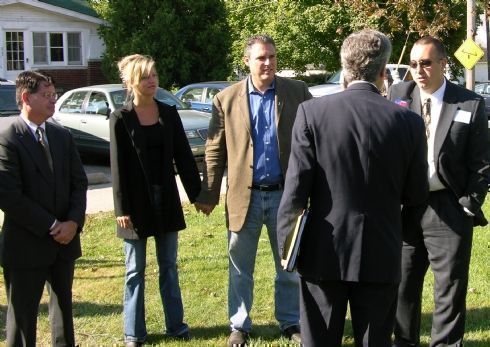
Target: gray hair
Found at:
x=364, y=55
x=252, y=40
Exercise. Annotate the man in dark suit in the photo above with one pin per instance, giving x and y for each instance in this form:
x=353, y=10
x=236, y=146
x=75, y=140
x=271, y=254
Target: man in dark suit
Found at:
x=250, y=135
x=439, y=231
x=43, y=195
x=356, y=158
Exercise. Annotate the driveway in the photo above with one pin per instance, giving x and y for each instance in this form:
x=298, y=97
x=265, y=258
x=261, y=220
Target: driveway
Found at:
x=99, y=193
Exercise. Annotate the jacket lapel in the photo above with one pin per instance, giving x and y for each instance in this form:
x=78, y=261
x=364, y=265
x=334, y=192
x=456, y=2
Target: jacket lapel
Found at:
x=279, y=99
x=415, y=103
x=135, y=132
x=243, y=106
x=448, y=110
x=27, y=139
x=55, y=148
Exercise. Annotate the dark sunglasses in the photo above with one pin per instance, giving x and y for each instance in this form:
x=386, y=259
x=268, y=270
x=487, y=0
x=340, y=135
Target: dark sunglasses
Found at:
x=423, y=63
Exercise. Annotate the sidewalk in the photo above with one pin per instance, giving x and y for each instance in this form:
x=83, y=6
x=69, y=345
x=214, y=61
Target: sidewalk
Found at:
x=99, y=196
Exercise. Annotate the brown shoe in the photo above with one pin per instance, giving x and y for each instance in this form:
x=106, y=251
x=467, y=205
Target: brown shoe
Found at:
x=292, y=333
x=237, y=338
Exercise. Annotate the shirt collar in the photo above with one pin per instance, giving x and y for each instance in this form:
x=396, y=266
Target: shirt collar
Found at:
x=252, y=89
x=361, y=81
x=31, y=125
x=437, y=95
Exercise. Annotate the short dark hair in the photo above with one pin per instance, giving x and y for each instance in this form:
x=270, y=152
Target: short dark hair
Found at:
x=29, y=81
x=261, y=38
x=427, y=40
x=364, y=55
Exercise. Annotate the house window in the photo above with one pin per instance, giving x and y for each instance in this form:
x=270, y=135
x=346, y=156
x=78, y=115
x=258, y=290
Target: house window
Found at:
x=15, y=50
x=57, y=48
x=74, y=49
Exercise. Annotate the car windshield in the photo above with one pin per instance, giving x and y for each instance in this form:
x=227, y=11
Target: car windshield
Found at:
x=7, y=98
x=119, y=97
x=335, y=78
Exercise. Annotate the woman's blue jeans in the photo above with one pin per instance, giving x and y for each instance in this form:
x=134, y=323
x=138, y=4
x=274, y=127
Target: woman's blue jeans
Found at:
x=134, y=289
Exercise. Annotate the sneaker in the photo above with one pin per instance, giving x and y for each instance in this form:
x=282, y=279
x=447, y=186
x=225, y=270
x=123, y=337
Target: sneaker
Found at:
x=292, y=333
x=237, y=338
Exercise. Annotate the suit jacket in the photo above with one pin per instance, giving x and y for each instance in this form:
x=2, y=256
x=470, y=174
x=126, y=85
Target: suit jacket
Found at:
x=130, y=172
x=356, y=158
x=230, y=142
x=32, y=196
x=460, y=149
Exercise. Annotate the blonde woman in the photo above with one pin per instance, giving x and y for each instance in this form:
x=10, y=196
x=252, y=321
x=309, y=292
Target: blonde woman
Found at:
x=147, y=137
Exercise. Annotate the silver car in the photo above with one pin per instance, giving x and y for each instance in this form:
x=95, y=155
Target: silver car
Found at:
x=85, y=111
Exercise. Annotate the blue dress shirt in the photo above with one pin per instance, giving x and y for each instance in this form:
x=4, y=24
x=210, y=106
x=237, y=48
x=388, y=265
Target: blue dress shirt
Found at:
x=267, y=168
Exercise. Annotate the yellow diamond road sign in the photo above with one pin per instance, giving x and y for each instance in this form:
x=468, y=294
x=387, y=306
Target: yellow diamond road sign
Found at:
x=469, y=53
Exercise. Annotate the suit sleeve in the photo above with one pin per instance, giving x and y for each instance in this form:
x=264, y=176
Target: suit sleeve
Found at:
x=215, y=156
x=477, y=161
x=19, y=207
x=78, y=186
x=299, y=178
x=184, y=160
x=118, y=171
x=416, y=188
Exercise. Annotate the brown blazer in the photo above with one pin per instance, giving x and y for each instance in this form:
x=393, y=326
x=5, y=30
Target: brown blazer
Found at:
x=230, y=143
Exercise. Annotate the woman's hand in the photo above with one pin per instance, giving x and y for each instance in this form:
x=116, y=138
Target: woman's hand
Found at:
x=124, y=222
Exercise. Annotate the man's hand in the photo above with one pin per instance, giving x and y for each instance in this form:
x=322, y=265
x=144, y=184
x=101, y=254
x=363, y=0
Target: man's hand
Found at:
x=64, y=232
x=125, y=222
x=204, y=208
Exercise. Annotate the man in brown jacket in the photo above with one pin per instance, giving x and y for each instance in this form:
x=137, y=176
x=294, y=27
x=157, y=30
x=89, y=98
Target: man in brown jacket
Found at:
x=250, y=131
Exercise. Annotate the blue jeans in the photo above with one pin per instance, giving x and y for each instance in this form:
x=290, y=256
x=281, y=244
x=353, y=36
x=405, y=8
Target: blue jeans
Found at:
x=242, y=251
x=134, y=291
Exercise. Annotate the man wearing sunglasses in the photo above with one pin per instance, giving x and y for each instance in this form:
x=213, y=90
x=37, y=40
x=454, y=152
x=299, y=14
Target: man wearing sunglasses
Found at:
x=439, y=232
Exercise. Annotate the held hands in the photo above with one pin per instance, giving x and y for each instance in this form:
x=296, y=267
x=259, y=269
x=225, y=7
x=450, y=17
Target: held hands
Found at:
x=125, y=222
x=204, y=208
x=64, y=232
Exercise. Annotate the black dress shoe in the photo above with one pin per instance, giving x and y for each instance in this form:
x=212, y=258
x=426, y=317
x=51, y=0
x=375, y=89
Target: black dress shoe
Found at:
x=292, y=333
x=184, y=336
x=237, y=338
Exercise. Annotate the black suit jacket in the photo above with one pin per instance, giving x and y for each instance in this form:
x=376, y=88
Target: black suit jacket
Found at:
x=130, y=176
x=460, y=149
x=357, y=158
x=32, y=197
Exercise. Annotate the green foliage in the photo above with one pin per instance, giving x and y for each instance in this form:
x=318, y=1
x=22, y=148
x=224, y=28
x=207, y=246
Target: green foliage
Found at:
x=188, y=39
x=311, y=32
x=203, y=272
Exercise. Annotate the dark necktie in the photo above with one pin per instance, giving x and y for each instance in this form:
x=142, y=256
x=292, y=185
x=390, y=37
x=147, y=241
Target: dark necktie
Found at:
x=41, y=140
x=426, y=116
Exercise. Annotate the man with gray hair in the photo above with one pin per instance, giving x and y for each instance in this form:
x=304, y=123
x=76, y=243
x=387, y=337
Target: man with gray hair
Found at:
x=356, y=158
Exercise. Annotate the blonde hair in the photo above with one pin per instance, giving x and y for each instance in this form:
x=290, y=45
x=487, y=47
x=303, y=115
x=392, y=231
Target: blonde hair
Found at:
x=133, y=68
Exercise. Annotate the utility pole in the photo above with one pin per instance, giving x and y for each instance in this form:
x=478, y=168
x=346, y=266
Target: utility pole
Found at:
x=487, y=33
x=470, y=34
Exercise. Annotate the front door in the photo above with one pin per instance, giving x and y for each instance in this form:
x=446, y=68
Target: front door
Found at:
x=14, y=60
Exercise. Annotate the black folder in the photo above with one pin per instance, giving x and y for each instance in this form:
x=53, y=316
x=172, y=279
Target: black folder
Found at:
x=291, y=246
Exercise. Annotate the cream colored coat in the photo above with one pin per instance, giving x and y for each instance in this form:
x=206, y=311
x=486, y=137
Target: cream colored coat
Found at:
x=230, y=143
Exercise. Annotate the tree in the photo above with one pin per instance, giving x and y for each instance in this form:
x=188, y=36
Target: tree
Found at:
x=189, y=39
x=312, y=31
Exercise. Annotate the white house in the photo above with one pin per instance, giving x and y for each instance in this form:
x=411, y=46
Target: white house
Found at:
x=58, y=36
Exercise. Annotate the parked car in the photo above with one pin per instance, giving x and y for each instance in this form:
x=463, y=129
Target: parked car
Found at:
x=482, y=88
x=200, y=95
x=333, y=84
x=8, y=104
x=85, y=111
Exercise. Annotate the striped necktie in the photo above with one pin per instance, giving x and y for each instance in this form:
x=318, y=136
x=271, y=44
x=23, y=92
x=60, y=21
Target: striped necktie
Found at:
x=41, y=140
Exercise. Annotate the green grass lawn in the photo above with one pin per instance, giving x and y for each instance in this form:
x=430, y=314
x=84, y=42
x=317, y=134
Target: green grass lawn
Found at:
x=203, y=265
